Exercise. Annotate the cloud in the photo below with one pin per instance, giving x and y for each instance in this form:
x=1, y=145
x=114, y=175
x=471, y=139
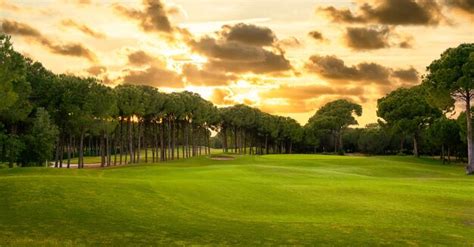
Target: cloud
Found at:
x=464, y=6
x=222, y=96
x=22, y=29
x=79, y=2
x=310, y=91
x=290, y=42
x=334, y=68
x=96, y=70
x=140, y=58
x=153, y=76
x=153, y=18
x=67, y=49
x=249, y=34
x=389, y=12
x=361, y=38
x=153, y=71
x=9, y=6
x=241, y=54
x=316, y=35
x=289, y=106
x=407, y=75
x=406, y=42
x=83, y=28
x=203, y=77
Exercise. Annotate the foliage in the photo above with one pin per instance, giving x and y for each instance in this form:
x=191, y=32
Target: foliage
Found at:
x=407, y=111
x=40, y=140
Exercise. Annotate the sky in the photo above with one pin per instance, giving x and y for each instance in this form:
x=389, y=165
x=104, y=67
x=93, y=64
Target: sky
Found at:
x=284, y=57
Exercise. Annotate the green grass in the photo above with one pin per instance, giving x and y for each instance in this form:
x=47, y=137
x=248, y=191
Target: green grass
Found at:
x=97, y=159
x=265, y=200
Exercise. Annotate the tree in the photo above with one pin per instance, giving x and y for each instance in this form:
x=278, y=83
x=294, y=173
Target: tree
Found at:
x=444, y=132
x=373, y=139
x=40, y=139
x=453, y=74
x=335, y=117
x=12, y=68
x=408, y=112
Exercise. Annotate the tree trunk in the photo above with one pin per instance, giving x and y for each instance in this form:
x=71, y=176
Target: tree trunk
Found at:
x=145, y=142
x=121, y=140
x=415, y=146
x=139, y=142
x=183, y=133
x=402, y=140
x=208, y=144
x=69, y=147
x=442, y=154
x=449, y=155
x=114, y=146
x=470, y=147
x=130, y=140
x=80, y=163
x=162, y=142
x=61, y=151
x=341, y=144
x=187, y=139
x=107, y=148
x=235, y=140
x=173, y=139
x=191, y=137
x=102, y=149
x=266, y=144
x=224, y=139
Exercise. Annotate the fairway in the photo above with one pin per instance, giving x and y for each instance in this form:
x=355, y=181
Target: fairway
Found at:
x=274, y=199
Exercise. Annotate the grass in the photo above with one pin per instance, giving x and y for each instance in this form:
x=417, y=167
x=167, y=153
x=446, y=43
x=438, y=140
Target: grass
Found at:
x=97, y=159
x=260, y=200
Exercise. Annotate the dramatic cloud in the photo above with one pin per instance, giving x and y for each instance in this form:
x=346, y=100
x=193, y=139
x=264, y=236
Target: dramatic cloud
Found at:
x=316, y=35
x=334, y=68
x=152, y=72
x=67, y=49
x=140, y=58
x=465, y=6
x=83, y=28
x=153, y=18
x=153, y=76
x=390, y=12
x=249, y=34
x=360, y=38
x=202, y=77
x=241, y=54
x=407, y=75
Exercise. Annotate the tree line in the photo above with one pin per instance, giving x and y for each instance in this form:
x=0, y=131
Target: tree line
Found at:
x=44, y=117
x=49, y=117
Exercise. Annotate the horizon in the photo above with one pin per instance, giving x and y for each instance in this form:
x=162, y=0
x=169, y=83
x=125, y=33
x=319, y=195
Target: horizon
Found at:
x=283, y=62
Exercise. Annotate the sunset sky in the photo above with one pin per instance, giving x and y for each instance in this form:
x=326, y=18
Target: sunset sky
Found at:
x=284, y=57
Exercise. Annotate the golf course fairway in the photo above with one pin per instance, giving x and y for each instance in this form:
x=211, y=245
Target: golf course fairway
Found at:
x=248, y=201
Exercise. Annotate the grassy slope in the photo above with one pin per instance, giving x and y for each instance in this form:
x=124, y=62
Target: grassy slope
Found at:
x=275, y=199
